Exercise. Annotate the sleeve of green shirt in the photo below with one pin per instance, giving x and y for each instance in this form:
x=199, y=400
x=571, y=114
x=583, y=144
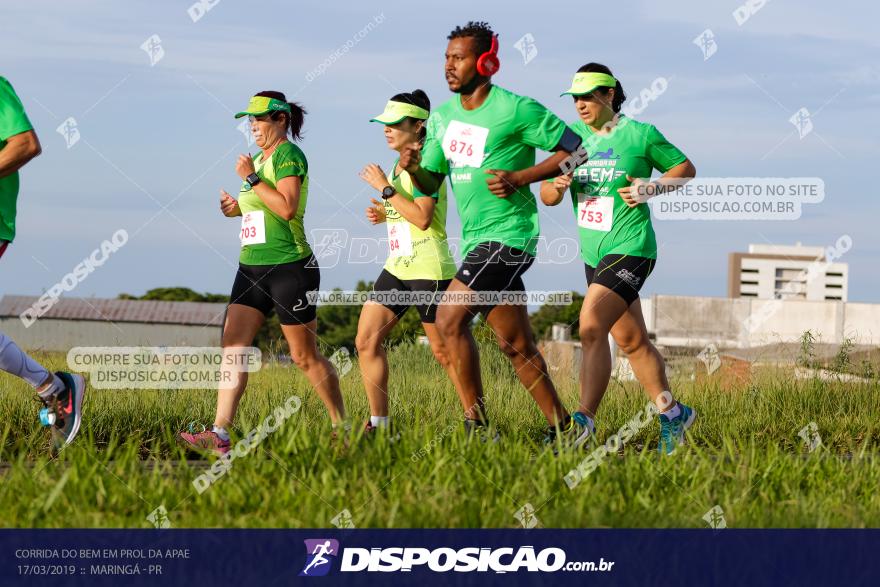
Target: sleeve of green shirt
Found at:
x=289, y=161
x=13, y=119
x=433, y=158
x=662, y=154
x=538, y=126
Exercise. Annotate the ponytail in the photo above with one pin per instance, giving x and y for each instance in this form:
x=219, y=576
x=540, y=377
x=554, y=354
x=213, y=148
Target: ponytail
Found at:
x=296, y=119
x=416, y=98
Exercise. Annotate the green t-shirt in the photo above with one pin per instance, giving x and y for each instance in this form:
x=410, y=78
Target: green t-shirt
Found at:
x=267, y=238
x=416, y=253
x=605, y=223
x=13, y=121
x=502, y=133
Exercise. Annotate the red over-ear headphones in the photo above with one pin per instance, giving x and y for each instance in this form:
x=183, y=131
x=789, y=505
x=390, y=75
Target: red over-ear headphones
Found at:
x=487, y=63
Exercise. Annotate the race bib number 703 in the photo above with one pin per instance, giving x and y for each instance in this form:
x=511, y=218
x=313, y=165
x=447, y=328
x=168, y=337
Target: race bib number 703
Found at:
x=253, y=228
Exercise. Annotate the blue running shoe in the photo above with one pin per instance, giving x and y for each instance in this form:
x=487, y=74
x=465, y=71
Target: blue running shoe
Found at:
x=63, y=412
x=672, y=429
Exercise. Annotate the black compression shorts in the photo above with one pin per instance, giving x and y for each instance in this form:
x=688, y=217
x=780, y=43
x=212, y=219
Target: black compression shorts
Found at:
x=623, y=274
x=387, y=282
x=282, y=288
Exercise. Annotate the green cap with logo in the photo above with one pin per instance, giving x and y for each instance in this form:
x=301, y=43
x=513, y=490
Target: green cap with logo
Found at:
x=397, y=111
x=586, y=82
x=260, y=105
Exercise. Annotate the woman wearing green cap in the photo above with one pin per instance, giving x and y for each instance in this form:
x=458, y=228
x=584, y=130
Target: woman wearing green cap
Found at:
x=276, y=268
x=609, y=185
x=419, y=266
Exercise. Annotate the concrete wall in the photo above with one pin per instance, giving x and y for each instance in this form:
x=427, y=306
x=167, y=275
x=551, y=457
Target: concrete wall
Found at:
x=743, y=322
x=862, y=322
x=61, y=335
x=696, y=321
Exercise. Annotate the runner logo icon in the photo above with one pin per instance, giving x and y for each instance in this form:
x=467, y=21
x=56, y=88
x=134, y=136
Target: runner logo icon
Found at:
x=318, y=553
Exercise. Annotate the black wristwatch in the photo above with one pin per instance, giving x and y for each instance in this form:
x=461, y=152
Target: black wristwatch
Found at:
x=388, y=191
x=253, y=179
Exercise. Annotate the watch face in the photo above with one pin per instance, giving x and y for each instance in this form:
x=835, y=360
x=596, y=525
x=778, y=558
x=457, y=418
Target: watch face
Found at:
x=388, y=191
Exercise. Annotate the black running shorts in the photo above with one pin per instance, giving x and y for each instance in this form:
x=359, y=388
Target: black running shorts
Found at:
x=281, y=287
x=623, y=274
x=389, y=287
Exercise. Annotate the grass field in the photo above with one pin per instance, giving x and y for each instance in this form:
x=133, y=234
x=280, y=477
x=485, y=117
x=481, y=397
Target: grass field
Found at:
x=745, y=456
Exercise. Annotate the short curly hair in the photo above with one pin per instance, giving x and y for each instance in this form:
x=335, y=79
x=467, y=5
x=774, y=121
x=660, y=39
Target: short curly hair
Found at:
x=480, y=31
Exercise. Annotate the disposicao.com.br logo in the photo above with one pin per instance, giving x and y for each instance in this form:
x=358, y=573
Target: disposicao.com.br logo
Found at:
x=442, y=560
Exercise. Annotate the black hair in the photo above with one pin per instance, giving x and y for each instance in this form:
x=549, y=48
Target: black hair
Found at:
x=296, y=117
x=619, y=96
x=480, y=31
x=416, y=98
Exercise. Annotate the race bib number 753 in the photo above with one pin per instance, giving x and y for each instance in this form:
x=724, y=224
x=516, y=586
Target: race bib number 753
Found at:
x=595, y=212
x=464, y=144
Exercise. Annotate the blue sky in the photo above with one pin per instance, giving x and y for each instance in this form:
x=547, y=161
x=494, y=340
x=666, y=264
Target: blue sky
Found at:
x=163, y=135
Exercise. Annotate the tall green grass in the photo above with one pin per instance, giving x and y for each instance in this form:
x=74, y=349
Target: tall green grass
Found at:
x=744, y=455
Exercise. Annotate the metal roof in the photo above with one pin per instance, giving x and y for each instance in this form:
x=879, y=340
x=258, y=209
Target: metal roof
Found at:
x=152, y=312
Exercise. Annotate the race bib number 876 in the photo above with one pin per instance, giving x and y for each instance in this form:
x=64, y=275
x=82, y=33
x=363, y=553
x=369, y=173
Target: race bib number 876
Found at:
x=464, y=144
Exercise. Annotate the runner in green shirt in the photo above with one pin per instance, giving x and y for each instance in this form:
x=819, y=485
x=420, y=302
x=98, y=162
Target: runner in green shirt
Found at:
x=484, y=139
x=419, y=264
x=61, y=392
x=609, y=184
x=277, y=270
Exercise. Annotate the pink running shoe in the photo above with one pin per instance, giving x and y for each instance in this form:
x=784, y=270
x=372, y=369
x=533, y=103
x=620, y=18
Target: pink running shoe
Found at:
x=206, y=442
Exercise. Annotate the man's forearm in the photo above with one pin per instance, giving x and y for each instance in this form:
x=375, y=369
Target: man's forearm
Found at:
x=13, y=157
x=427, y=181
x=546, y=169
x=18, y=151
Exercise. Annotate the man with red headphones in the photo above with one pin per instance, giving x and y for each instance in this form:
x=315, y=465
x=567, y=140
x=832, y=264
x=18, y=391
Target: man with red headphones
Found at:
x=484, y=139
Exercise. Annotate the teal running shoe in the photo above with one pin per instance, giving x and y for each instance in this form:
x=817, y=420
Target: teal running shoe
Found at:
x=672, y=429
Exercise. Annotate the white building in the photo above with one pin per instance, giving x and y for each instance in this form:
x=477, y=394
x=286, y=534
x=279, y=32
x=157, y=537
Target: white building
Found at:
x=786, y=272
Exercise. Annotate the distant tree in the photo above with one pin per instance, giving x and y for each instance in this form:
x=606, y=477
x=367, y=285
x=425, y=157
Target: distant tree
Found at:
x=176, y=294
x=546, y=316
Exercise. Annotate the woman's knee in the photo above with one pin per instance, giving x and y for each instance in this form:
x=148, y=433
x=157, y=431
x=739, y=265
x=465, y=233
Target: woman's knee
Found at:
x=367, y=344
x=592, y=332
x=632, y=343
x=304, y=358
